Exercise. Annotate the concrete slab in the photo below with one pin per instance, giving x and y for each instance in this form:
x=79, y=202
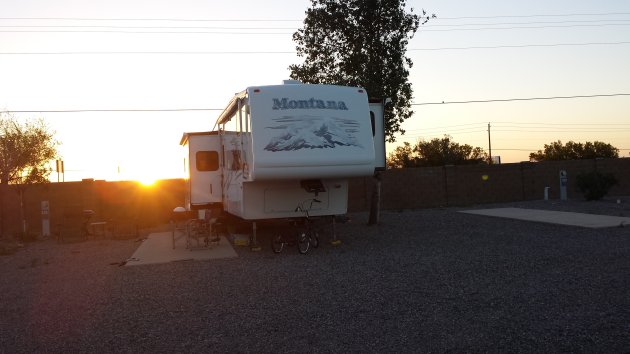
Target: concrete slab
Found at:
x=158, y=248
x=554, y=217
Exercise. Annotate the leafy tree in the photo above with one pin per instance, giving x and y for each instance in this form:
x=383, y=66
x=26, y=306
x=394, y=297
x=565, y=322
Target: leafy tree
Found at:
x=436, y=152
x=574, y=151
x=25, y=149
x=360, y=43
x=403, y=156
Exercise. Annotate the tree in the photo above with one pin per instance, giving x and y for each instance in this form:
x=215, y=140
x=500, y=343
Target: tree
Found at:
x=360, y=43
x=574, y=151
x=403, y=156
x=436, y=152
x=25, y=149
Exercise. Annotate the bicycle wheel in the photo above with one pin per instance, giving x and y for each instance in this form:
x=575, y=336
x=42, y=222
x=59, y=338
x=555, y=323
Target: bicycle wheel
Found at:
x=215, y=236
x=277, y=243
x=303, y=242
x=315, y=239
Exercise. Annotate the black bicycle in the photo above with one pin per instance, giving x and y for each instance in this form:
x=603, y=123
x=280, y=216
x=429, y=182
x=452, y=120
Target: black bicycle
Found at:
x=305, y=235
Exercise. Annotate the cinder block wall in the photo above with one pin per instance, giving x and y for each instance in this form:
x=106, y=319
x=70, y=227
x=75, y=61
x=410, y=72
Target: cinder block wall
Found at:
x=466, y=185
x=110, y=201
x=401, y=189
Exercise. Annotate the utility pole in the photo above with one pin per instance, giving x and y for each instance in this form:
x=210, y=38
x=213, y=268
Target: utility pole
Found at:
x=489, y=146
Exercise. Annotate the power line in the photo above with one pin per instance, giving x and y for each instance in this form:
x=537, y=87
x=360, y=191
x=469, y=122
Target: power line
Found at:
x=413, y=104
x=452, y=126
x=520, y=27
x=519, y=23
x=206, y=29
x=521, y=99
x=144, y=32
x=511, y=124
x=111, y=110
x=520, y=46
x=546, y=123
x=541, y=15
x=171, y=19
x=147, y=53
x=147, y=27
x=292, y=52
x=563, y=131
x=143, y=19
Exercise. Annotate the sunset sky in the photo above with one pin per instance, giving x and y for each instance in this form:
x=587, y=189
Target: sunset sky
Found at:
x=86, y=56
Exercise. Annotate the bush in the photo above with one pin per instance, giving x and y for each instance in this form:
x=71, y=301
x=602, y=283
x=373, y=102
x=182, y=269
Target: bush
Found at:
x=595, y=185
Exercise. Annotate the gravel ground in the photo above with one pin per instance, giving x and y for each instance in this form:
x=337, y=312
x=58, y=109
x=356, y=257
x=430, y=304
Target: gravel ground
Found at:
x=430, y=280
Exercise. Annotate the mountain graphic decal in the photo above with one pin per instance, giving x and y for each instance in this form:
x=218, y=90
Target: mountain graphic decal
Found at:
x=311, y=132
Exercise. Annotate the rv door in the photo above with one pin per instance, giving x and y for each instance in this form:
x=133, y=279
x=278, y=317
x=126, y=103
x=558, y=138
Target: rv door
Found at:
x=377, y=117
x=205, y=171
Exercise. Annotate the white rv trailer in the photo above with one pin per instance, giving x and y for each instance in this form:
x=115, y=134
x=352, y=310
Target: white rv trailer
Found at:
x=274, y=147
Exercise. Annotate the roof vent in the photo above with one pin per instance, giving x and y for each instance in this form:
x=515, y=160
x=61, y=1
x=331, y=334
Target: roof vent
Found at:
x=291, y=82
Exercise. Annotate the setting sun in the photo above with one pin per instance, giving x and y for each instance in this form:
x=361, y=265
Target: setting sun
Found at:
x=147, y=181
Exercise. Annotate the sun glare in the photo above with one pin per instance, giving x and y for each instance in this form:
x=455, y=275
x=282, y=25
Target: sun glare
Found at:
x=147, y=181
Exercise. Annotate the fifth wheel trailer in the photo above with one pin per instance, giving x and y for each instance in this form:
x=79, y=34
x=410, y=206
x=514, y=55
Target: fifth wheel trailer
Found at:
x=274, y=147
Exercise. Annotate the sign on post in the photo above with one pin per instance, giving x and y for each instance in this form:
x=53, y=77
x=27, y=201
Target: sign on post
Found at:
x=45, y=219
x=563, y=185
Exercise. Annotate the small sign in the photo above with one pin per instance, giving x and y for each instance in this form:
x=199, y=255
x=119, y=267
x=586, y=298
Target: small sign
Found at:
x=563, y=185
x=45, y=207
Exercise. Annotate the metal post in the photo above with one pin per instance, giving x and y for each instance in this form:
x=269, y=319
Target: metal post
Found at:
x=334, y=241
x=255, y=246
x=489, y=146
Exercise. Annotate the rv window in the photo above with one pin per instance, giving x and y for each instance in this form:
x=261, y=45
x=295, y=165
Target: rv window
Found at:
x=207, y=160
x=373, y=120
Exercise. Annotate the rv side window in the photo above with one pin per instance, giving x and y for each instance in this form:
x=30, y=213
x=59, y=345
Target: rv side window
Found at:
x=207, y=160
x=373, y=120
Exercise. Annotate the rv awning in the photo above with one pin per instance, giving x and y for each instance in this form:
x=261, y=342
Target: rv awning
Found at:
x=231, y=108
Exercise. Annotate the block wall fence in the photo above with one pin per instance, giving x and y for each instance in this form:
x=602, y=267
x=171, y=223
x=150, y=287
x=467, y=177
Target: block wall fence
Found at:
x=409, y=188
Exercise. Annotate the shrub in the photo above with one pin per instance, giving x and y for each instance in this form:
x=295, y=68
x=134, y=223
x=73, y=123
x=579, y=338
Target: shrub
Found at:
x=595, y=185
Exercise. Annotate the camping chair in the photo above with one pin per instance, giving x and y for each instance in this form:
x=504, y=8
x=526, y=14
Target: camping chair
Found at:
x=202, y=233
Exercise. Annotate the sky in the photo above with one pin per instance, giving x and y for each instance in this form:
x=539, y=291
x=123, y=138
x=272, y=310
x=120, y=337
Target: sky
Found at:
x=77, y=55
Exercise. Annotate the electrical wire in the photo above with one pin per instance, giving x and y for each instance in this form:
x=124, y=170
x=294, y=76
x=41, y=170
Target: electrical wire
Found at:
x=292, y=20
x=413, y=104
x=147, y=53
x=110, y=110
x=521, y=23
x=146, y=32
x=540, y=15
x=520, y=46
x=212, y=30
x=521, y=99
x=143, y=19
x=292, y=52
x=521, y=27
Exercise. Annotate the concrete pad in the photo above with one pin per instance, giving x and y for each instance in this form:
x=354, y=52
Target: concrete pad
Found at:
x=554, y=217
x=158, y=248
